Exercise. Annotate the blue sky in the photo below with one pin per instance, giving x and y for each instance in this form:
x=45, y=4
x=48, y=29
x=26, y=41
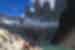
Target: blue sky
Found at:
x=12, y=7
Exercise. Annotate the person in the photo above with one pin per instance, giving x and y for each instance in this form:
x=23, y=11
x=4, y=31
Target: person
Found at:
x=70, y=24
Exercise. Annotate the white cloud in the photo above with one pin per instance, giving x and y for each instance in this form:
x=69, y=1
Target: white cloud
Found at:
x=51, y=3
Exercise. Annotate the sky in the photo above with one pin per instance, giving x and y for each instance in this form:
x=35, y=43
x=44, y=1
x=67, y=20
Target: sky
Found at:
x=17, y=7
x=12, y=7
